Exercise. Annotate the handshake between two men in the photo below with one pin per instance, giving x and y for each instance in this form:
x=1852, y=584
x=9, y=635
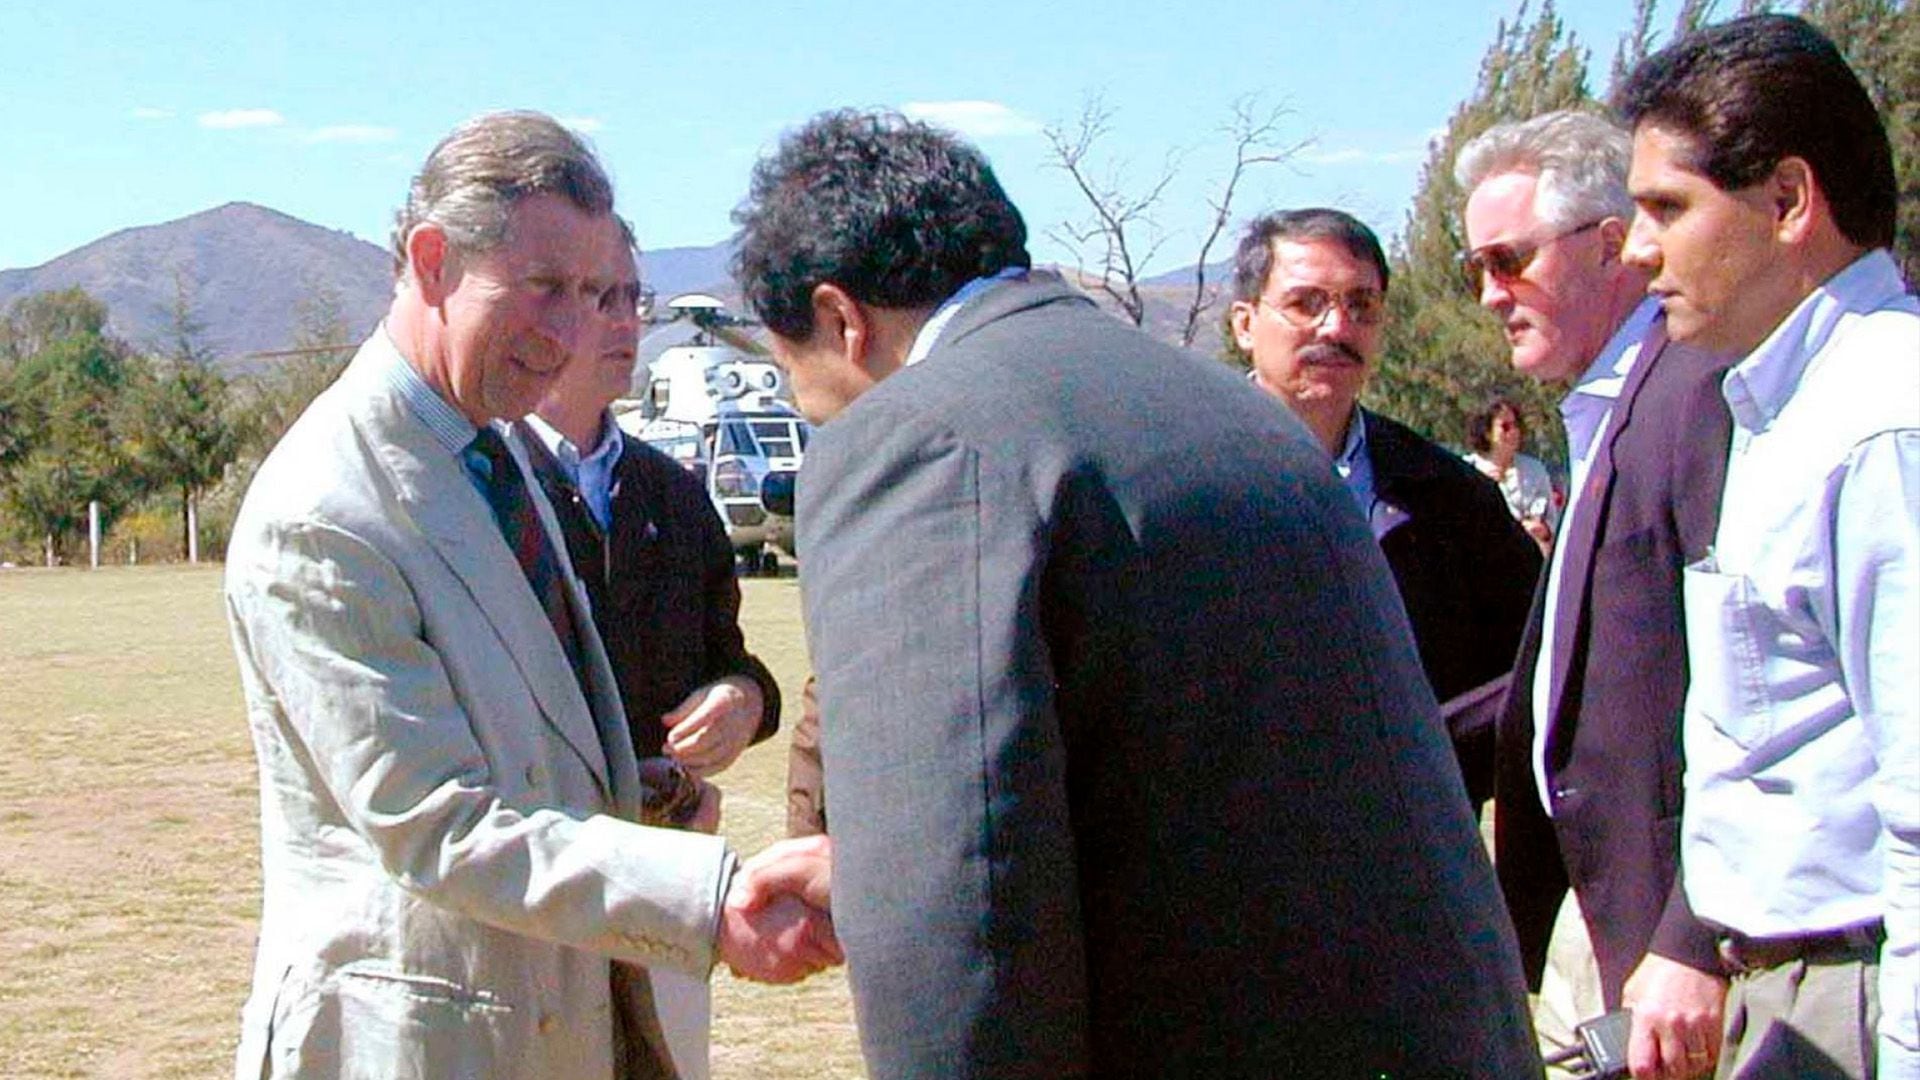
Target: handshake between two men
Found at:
x=776, y=925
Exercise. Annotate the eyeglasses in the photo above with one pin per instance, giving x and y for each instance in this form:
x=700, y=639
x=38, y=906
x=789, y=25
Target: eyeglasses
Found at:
x=1306, y=306
x=1506, y=262
x=624, y=301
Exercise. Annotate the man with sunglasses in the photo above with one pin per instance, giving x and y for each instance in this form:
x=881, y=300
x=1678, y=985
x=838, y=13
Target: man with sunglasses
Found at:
x=1310, y=289
x=1588, y=790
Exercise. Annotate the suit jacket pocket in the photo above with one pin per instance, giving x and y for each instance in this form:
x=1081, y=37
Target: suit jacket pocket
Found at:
x=1726, y=662
x=371, y=1020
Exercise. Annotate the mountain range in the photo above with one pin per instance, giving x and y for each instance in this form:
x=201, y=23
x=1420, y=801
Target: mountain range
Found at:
x=246, y=271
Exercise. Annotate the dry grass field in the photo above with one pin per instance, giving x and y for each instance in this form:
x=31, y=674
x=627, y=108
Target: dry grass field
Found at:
x=128, y=844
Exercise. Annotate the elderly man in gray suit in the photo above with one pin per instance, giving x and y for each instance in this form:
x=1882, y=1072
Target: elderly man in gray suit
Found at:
x=1133, y=769
x=456, y=880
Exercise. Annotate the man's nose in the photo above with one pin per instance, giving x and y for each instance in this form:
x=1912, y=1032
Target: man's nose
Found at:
x=1494, y=293
x=1338, y=324
x=1640, y=250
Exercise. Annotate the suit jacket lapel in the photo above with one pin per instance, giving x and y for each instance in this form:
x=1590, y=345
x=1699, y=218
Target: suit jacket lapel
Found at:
x=603, y=692
x=1395, y=473
x=433, y=490
x=1581, y=535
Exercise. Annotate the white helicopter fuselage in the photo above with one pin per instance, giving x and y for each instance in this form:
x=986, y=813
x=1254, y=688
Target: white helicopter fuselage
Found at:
x=718, y=412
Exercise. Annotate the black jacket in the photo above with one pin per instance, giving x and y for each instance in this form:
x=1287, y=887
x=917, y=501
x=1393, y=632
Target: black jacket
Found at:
x=664, y=596
x=1466, y=572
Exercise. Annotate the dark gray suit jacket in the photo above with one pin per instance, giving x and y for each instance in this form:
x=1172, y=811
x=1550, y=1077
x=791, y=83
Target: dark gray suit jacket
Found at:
x=1134, y=770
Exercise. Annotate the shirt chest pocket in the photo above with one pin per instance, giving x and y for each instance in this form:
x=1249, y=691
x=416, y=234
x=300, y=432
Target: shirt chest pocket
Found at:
x=1726, y=653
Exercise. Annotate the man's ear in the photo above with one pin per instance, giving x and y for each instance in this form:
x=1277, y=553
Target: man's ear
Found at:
x=840, y=317
x=1795, y=199
x=430, y=261
x=1240, y=318
x=1613, y=238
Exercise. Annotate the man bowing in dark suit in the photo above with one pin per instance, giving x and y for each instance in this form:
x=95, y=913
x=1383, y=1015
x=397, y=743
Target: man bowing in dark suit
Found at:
x=1310, y=290
x=1134, y=772
x=1588, y=792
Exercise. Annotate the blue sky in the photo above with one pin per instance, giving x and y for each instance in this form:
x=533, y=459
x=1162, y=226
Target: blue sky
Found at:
x=120, y=114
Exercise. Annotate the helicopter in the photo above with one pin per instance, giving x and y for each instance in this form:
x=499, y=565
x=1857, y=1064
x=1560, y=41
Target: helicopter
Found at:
x=715, y=405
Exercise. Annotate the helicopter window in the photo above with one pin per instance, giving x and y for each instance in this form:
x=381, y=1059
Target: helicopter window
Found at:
x=777, y=438
x=737, y=438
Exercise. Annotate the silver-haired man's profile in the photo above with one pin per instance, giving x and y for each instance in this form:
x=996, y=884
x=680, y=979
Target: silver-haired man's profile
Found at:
x=457, y=882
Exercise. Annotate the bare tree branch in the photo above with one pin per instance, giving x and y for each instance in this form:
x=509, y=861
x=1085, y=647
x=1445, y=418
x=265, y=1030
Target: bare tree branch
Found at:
x=1251, y=130
x=1114, y=212
x=1119, y=238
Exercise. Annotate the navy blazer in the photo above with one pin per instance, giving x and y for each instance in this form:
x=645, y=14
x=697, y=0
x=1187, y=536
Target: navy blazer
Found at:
x=1650, y=506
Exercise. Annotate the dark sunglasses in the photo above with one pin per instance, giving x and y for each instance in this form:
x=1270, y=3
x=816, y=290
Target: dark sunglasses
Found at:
x=1506, y=262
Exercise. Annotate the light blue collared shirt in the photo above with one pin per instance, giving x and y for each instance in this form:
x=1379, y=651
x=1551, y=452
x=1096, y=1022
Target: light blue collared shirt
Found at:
x=1802, y=728
x=450, y=428
x=592, y=474
x=1585, y=411
x=1356, y=472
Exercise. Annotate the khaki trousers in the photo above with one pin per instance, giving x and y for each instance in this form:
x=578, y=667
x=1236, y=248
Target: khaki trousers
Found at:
x=1569, y=987
x=1803, y=1020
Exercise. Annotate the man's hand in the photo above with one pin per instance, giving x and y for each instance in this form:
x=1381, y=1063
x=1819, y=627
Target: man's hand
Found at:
x=707, y=731
x=1676, y=1019
x=774, y=925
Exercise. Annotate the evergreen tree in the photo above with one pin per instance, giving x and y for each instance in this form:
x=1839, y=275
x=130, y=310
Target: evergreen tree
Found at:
x=67, y=397
x=179, y=435
x=1881, y=40
x=179, y=432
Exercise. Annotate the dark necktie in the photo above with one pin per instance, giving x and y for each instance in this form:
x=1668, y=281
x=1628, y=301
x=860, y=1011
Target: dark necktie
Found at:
x=519, y=521
x=639, y=1047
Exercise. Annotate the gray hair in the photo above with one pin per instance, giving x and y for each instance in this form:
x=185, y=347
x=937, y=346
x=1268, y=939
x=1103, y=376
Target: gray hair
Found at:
x=484, y=166
x=1580, y=158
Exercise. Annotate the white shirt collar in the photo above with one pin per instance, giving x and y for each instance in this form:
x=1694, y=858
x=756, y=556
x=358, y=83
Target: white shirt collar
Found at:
x=929, y=334
x=1761, y=383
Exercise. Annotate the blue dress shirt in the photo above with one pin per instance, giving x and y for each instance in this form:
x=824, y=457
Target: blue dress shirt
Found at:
x=1802, y=728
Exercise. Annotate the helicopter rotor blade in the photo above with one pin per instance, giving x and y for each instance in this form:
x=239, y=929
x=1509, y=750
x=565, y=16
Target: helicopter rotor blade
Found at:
x=738, y=340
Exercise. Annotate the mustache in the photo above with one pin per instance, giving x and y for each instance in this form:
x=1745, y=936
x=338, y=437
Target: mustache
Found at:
x=1330, y=352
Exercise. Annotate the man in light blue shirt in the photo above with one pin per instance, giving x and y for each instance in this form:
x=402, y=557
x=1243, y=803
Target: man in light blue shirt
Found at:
x=1766, y=200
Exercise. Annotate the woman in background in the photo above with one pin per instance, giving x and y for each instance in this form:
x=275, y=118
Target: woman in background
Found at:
x=1496, y=434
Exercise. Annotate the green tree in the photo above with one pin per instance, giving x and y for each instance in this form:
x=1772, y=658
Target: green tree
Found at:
x=180, y=437
x=272, y=400
x=38, y=320
x=179, y=431
x=1444, y=357
x=1881, y=40
x=68, y=396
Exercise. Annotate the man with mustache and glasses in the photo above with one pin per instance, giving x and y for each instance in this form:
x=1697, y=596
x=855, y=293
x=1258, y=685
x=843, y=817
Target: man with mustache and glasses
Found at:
x=1310, y=289
x=1587, y=795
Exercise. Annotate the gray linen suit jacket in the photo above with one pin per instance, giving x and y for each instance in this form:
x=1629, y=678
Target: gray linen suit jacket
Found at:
x=449, y=855
x=1133, y=768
